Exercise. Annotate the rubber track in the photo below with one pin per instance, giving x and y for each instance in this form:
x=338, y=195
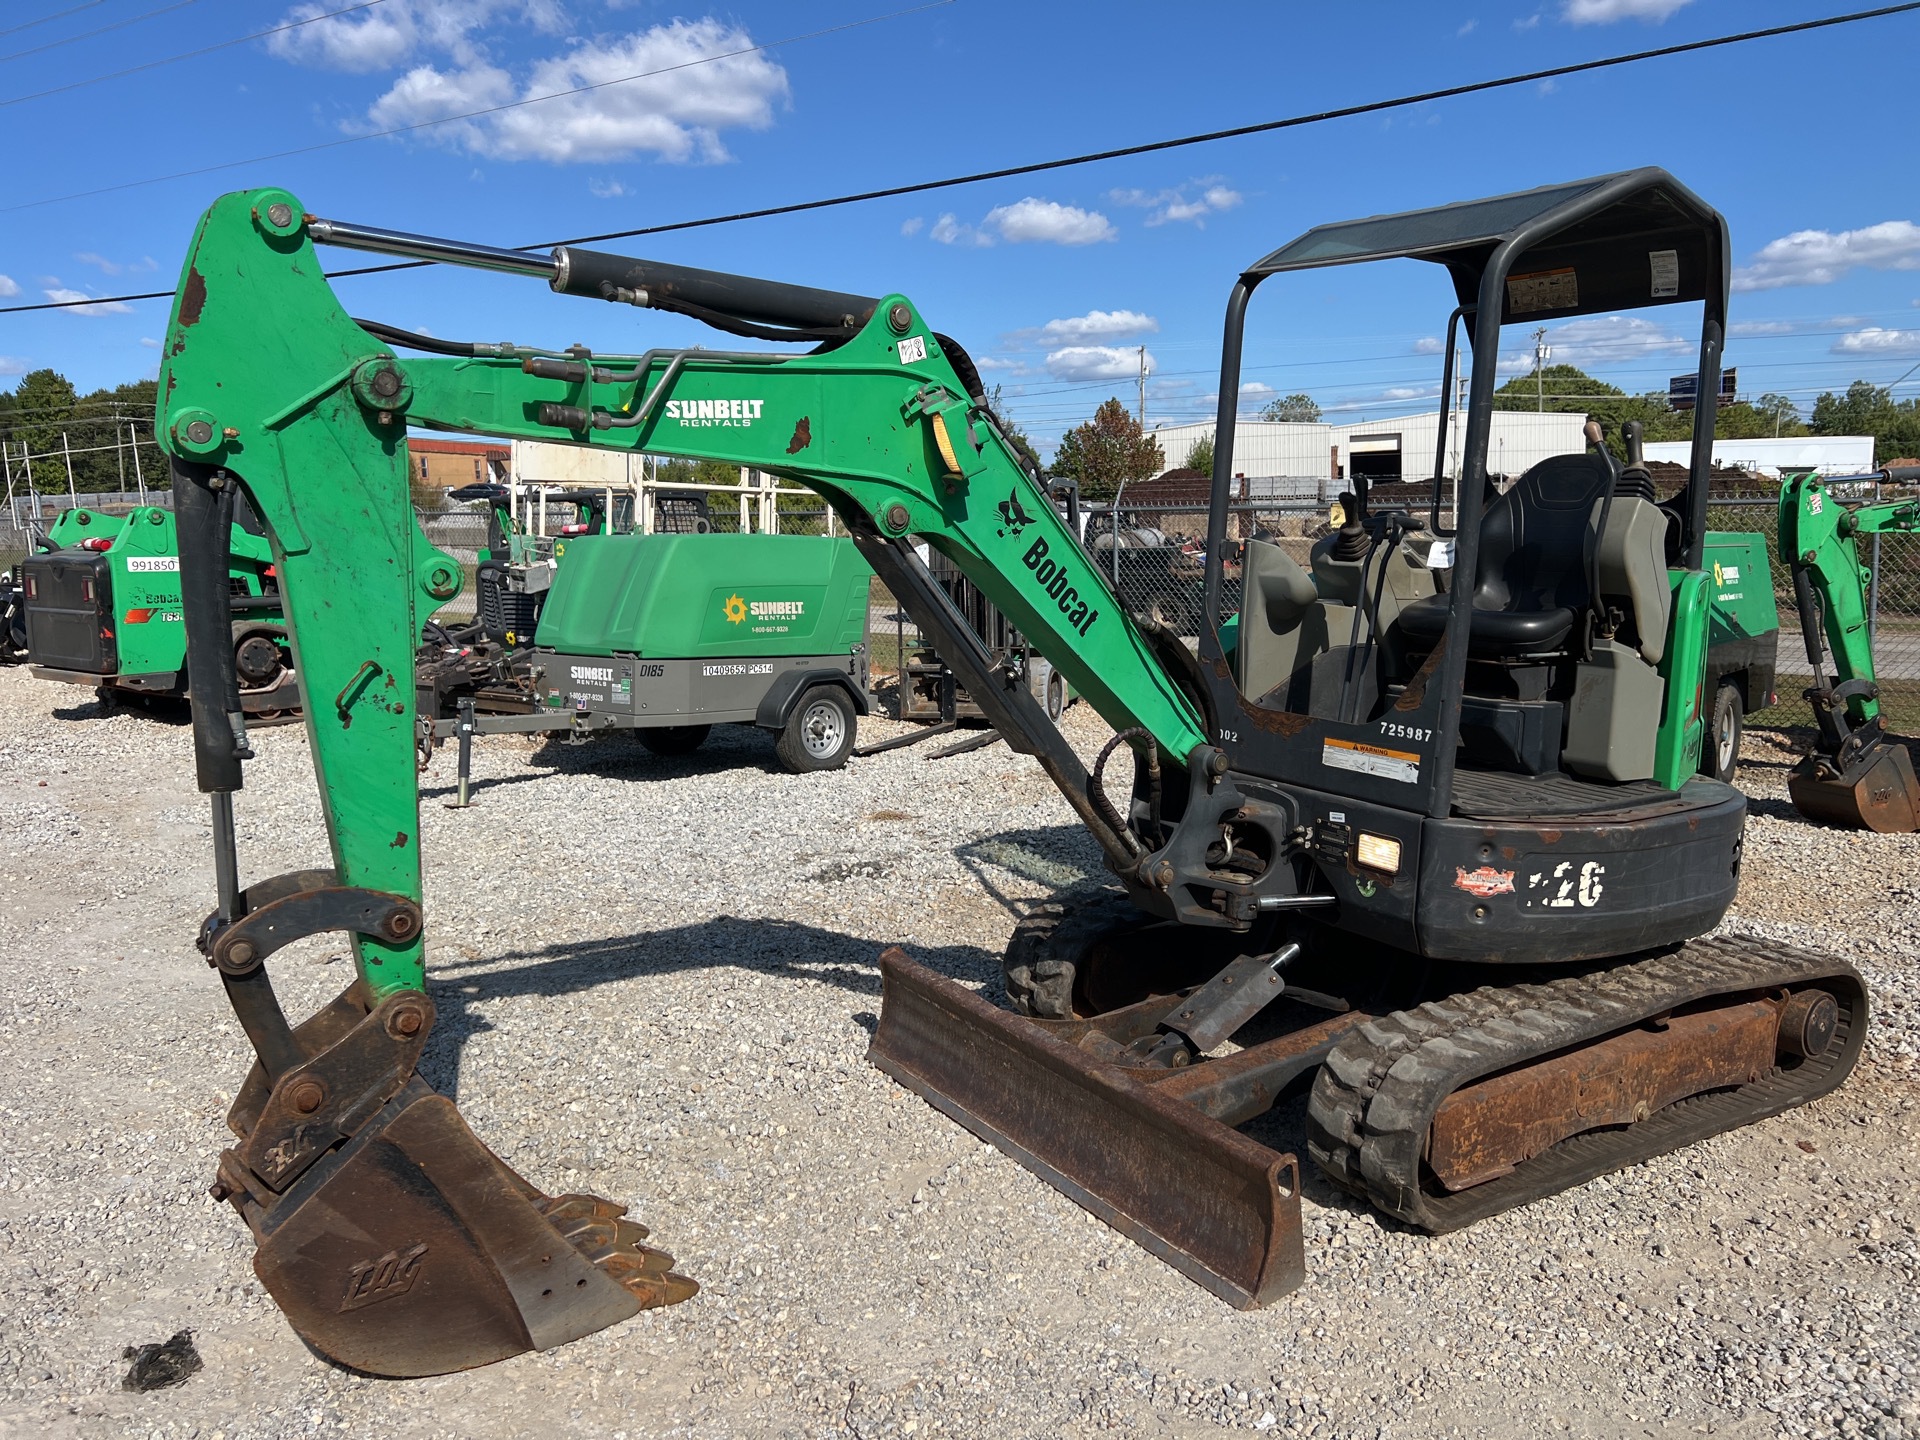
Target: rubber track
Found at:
x=1374, y=1100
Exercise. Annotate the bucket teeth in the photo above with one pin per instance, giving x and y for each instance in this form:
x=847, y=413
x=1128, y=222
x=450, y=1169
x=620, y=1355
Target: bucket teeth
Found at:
x=594, y=1227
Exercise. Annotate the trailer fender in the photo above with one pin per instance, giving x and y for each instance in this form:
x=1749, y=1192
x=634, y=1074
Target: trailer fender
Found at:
x=776, y=706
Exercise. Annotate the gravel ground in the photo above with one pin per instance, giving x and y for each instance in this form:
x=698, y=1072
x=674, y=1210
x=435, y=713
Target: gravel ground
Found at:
x=656, y=981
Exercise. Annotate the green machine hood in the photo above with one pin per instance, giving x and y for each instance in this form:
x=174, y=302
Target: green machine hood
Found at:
x=705, y=596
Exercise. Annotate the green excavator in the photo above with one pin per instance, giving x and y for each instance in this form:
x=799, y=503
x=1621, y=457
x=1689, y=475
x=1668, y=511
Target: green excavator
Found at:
x=1418, y=824
x=1857, y=775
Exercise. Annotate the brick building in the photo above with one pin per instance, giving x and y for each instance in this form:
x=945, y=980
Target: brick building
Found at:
x=449, y=464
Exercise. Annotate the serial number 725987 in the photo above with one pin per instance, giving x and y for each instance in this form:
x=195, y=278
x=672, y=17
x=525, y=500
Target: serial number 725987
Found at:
x=1394, y=730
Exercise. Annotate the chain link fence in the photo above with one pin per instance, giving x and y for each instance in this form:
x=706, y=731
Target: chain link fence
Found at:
x=1158, y=569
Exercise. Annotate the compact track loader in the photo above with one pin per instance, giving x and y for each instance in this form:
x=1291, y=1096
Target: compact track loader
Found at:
x=1419, y=825
x=1857, y=775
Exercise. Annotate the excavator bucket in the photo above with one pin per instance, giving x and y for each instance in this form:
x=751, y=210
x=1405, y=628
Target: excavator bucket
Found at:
x=395, y=1242
x=1141, y=1154
x=1879, y=792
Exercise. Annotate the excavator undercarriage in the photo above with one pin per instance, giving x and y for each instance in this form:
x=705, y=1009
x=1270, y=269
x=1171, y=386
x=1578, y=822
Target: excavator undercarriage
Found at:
x=1415, y=828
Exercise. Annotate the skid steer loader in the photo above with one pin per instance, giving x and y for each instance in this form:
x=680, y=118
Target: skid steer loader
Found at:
x=1419, y=825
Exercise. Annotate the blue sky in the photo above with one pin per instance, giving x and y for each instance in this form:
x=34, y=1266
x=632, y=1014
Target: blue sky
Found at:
x=1052, y=281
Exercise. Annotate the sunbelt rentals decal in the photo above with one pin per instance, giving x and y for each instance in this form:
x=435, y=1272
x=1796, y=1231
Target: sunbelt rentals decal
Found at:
x=766, y=614
x=715, y=414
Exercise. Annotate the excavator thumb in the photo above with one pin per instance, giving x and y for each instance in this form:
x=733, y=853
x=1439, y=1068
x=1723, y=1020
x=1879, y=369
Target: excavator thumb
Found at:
x=1152, y=1153
x=395, y=1242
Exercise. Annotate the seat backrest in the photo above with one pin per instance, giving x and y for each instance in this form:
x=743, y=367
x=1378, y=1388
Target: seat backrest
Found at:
x=1537, y=540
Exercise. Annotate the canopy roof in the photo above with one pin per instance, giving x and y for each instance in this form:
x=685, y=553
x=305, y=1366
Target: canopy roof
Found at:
x=1614, y=242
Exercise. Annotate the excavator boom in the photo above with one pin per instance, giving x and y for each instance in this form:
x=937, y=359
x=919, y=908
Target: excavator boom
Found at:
x=375, y=1209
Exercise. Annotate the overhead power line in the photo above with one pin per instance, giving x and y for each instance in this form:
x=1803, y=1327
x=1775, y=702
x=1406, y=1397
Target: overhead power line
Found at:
x=56, y=15
x=102, y=30
x=1040, y=166
x=184, y=55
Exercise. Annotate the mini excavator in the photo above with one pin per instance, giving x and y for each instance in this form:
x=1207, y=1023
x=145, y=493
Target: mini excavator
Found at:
x=1857, y=775
x=1418, y=825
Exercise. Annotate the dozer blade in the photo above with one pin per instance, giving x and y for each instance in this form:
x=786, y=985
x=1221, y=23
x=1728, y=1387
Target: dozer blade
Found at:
x=1219, y=1207
x=1878, y=793
x=394, y=1241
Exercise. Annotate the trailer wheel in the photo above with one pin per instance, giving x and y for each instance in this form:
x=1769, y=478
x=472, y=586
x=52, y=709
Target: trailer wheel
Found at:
x=1720, y=754
x=673, y=739
x=1056, y=696
x=819, y=733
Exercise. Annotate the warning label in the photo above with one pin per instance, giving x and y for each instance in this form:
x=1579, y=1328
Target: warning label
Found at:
x=1542, y=290
x=1402, y=765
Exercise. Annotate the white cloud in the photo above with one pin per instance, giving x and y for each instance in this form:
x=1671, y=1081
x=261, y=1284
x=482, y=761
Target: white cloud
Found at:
x=949, y=231
x=1819, y=257
x=669, y=91
x=1467, y=29
x=1410, y=392
x=1547, y=87
x=1094, y=325
x=12, y=365
x=1009, y=367
x=1096, y=362
x=1036, y=221
x=149, y=343
x=1605, y=12
x=1760, y=327
x=607, y=189
x=9, y=285
x=110, y=267
x=108, y=307
x=912, y=227
x=389, y=34
x=1877, y=341
x=1429, y=345
x=1596, y=342
x=1529, y=23
x=1177, y=204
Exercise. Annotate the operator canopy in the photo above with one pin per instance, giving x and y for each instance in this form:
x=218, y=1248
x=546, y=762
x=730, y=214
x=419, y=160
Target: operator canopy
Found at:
x=1614, y=242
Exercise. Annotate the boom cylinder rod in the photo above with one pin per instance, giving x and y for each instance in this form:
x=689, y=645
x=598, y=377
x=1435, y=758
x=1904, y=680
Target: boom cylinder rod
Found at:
x=429, y=247
x=595, y=275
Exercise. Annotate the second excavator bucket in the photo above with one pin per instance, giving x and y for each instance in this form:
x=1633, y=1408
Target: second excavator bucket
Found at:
x=397, y=1243
x=1877, y=792
x=1218, y=1206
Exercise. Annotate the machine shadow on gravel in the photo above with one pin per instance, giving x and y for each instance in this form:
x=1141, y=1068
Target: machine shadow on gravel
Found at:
x=776, y=949
x=1049, y=857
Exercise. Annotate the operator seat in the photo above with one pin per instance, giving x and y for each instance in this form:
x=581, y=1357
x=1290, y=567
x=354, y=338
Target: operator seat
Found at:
x=1535, y=563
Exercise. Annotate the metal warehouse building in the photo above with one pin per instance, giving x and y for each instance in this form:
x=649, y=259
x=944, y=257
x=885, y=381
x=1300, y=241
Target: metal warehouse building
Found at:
x=1296, y=459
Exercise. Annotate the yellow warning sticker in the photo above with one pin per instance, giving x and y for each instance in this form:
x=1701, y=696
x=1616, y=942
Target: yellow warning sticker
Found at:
x=1363, y=759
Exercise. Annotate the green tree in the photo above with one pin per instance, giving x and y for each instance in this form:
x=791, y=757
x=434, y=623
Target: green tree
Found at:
x=1201, y=456
x=1869, y=409
x=1014, y=432
x=1299, y=409
x=1567, y=389
x=1108, y=451
x=42, y=408
x=1782, y=414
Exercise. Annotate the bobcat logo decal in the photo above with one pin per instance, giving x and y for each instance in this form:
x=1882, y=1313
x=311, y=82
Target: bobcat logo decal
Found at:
x=1013, y=517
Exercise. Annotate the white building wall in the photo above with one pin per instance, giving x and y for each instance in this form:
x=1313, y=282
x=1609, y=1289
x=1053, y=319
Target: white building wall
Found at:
x=537, y=462
x=1260, y=447
x=1824, y=454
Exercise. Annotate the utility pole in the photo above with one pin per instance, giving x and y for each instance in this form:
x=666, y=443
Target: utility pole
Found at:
x=133, y=444
x=67, y=450
x=1541, y=352
x=1142, y=411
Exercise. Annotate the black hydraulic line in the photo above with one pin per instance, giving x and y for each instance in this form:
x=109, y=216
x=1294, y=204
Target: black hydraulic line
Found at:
x=1037, y=167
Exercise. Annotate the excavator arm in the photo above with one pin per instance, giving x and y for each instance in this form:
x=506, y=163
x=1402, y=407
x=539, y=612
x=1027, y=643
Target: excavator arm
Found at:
x=1857, y=774
x=377, y=1213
